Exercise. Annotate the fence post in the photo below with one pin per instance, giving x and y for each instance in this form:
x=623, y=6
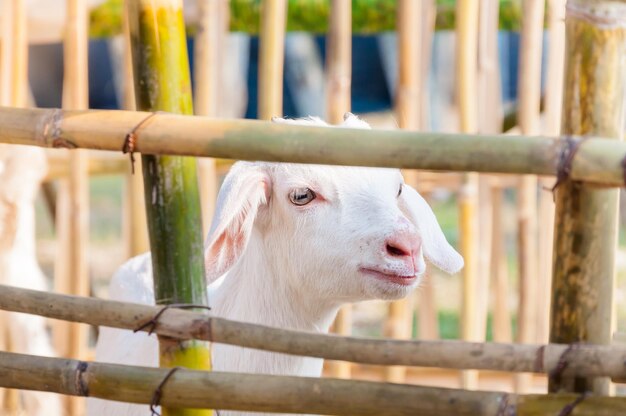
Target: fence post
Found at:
x=586, y=217
x=162, y=82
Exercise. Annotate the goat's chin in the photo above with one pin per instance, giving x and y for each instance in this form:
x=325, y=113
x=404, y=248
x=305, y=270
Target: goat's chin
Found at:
x=387, y=290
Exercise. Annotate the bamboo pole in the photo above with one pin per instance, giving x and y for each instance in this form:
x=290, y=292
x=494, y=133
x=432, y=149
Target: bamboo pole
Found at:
x=502, y=331
x=528, y=120
x=410, y=96
x=552, y=126
x=211, y=35
x=13, y=92
x=297, y=394
x=466, y=73
x=271, y=58
x=135, y=223
x=490, y=116
x=584, y=360
x=162, y=82
x=338, y=89
x=586, y=218
x=598, y=161
x=74, y=239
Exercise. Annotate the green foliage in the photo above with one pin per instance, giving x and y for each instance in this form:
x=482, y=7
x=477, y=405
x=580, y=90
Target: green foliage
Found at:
x=368, y=16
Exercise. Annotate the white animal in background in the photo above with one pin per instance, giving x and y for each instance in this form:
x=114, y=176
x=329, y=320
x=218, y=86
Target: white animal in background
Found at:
x=293, y=244
x=22, y=169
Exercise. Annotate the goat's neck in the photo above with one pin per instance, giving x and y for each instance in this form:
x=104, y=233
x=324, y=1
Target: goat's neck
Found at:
x=256, y=290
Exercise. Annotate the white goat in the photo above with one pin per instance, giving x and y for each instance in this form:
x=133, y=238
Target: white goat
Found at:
x=21, y=172
x=294, y=243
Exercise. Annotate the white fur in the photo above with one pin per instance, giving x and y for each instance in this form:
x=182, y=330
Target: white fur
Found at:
x=292, y=266
x=21, y=172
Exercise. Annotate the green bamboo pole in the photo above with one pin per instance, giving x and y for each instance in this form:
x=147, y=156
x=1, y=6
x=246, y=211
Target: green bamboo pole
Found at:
x=586, y=218
x=370, y=16
x=162, y=82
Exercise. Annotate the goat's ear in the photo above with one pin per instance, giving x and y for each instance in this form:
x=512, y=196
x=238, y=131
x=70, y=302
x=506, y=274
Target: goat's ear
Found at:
x=245, y=189
x=434, y=244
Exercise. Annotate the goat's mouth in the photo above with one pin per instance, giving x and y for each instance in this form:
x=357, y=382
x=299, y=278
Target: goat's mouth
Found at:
x=401, y=279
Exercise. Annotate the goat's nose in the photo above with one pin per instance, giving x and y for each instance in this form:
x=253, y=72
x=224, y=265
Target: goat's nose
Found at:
x=402, y=245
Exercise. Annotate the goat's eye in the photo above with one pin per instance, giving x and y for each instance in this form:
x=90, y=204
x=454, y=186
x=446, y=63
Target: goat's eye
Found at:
x=399, y=191
x=301, y=196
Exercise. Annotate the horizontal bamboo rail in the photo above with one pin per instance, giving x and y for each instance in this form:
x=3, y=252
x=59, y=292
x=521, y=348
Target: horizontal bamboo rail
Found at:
x=197, y=389
x=582, y=360
x=597, y=160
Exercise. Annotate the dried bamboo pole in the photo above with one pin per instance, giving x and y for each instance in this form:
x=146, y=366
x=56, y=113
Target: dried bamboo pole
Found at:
x=502, y=331
x=552, y=125
x=271, y=58
x=584, y=360
x=212, y=30
x=135, y=223
x=586, y=218
x=598, y=161
x=13, y=92
x=73, y=232
x=466, y=73
x=162, y=82
x=338, y=89
x=490, y=116
x=409, y=97
x=297, y=394
x=528, y=120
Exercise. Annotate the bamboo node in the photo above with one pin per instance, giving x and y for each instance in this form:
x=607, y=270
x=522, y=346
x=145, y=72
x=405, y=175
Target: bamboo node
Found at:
x=63, y=144
x=566, y=159
x=130, y=141
x=556, y=373
x=569, y=408
x=81, y=387
x=153, y=322
x=503, y=408
x=624, y=169
x=158, y=392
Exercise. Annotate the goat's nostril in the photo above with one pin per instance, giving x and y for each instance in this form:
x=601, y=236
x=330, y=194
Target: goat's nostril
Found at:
x=396, y=251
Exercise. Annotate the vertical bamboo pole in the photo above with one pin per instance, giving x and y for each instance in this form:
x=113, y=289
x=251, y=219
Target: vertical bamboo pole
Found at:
x=502, y=331
x=425, y=297
x=271, y=58
x=75, y=97
x=466, y=73
x=209, y=54
x=408, y=96
x=586, y=217
x=528, y=119
x=490, y=122
x=162, y=82
x=338, y=88
x=553, y=99
x=13, y=92
x=135, y=223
